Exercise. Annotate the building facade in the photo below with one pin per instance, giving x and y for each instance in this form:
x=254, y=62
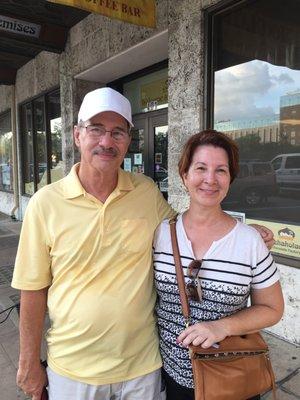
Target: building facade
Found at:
x=208, y=63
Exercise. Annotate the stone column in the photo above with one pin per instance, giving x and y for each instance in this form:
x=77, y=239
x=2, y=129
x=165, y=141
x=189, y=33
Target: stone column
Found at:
x=72, y=92
x=185, y=89
x=67, y=89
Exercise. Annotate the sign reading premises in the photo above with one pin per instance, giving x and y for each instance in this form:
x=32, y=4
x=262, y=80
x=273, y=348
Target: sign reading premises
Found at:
x=18, y=26
x=138, y=12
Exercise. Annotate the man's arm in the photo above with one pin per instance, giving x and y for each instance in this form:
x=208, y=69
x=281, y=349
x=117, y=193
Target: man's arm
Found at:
x=266, y=234
x=31, y=376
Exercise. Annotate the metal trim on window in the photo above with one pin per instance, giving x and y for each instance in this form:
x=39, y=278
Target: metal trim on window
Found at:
x=45, y=96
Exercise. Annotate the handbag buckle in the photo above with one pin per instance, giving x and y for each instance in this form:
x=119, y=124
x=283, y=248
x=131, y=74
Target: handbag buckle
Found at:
x=187, y=322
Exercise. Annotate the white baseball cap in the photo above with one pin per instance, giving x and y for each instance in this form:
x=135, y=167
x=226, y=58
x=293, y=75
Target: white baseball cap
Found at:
x=104, y=99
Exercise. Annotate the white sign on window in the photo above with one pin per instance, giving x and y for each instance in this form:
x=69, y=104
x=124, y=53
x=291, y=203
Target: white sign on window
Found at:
x=237, y=215
x=138, y=158
x=127, y=164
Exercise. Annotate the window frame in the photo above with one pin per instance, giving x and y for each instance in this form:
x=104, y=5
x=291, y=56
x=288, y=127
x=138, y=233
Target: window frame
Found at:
x=44, y=95
x=3, y=114
x=209, y=45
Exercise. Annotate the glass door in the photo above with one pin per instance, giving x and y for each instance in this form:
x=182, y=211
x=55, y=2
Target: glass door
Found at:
x=159, y=156
x=148, y=151
x=136, y=160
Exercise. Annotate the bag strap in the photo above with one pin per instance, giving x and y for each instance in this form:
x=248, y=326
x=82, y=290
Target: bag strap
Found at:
x=271, y=372
x=179, y=272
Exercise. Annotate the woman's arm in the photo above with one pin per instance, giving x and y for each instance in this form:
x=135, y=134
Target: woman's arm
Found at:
x=266, y=310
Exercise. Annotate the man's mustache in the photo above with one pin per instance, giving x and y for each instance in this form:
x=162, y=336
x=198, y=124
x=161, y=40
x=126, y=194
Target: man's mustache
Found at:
x=103, y=151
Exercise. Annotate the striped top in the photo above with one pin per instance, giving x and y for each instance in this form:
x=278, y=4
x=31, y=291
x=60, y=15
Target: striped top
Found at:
x=231, y=267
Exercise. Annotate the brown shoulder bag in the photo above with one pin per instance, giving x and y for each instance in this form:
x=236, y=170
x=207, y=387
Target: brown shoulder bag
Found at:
x=238, y=369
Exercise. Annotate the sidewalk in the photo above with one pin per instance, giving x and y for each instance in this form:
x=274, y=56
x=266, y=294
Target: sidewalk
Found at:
x=285, y=356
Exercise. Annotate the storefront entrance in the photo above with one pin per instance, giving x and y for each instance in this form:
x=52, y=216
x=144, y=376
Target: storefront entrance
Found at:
x=148, y=151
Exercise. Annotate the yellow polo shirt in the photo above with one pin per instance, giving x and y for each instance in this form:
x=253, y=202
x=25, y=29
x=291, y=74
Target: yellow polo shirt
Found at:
x=96, y=259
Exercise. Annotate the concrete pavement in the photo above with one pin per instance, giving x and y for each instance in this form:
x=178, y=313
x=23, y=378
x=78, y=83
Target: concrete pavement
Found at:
x=285, y=356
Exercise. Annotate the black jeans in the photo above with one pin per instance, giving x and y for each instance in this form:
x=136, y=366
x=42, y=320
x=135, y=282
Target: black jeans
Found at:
x=178, y=392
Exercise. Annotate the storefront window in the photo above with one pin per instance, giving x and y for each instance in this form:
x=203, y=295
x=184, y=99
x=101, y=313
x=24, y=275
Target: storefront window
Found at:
x=28, y=170
x=41, y=144
x=6, y=167
x=256, y=74
x=56, y=167
x=41, y=138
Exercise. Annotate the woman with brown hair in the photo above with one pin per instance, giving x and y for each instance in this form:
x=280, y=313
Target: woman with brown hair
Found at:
x=224, y=262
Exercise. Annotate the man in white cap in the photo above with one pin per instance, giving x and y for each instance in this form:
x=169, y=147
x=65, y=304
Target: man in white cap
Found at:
x=89, y=262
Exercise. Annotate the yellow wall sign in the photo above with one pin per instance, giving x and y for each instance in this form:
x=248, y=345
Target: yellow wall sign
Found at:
x=138, y=12
x=287, y=237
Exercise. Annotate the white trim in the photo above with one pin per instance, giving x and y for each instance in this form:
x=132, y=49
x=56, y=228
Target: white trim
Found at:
x=135, y=58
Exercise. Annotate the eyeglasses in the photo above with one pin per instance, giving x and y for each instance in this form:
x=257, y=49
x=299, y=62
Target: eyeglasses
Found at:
x=193, y=288
x=98, y=132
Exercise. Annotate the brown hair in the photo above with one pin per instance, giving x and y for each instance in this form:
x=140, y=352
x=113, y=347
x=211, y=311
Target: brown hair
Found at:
x=214, y=138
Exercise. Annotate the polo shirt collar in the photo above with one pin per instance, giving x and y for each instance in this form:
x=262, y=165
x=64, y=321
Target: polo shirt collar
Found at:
x=73, y=187
x=124, y=181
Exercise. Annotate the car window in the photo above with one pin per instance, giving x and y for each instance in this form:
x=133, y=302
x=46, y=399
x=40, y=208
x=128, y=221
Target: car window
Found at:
x=277, y=163
x=292, y=162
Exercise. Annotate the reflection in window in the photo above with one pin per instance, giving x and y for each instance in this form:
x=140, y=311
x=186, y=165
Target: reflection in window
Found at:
x=161, y=158
x=42, y=153
x=293, y=162
x=6, y=159
x=135, y=157
x=41, y=146
x=257, y=103
x=149, y=92
x=28, y=170
x=55, y=129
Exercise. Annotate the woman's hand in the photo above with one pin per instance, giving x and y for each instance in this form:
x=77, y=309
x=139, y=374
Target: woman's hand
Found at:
x=203, y=333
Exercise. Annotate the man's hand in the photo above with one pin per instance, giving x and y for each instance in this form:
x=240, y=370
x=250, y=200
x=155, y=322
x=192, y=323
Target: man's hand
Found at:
x=266, y=234
x=204, y=333
x=32, y=379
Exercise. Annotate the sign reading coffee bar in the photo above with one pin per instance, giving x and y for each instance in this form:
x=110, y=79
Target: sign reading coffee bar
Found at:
x=287, y=237
x=13, y=25
x=138, y=12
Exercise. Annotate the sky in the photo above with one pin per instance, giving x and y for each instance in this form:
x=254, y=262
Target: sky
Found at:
x=252, y=89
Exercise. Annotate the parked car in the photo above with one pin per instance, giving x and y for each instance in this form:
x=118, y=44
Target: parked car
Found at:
x=255, y=182
x=287, y=169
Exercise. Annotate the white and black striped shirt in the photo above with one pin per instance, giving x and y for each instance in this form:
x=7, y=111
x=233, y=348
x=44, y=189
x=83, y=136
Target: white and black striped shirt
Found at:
x=230, y=268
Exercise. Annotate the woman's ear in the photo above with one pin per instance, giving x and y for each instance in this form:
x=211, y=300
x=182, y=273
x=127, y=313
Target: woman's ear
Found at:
x=184, y=177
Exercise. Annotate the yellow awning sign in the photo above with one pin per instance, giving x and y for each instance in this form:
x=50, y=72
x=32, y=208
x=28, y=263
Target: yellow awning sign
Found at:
x=138, y=12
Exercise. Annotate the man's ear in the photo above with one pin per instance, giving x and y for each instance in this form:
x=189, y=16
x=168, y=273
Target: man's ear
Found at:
x=76, y=133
